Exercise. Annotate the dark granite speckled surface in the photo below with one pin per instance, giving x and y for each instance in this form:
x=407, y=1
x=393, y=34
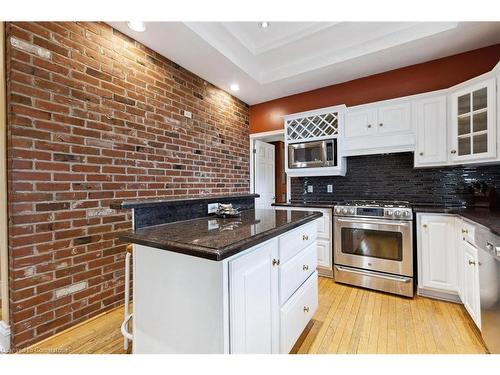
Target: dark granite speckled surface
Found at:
x=217, y=239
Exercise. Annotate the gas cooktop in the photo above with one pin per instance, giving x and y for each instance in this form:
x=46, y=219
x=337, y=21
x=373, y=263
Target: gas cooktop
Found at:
x=375, y=203
x=392, y=210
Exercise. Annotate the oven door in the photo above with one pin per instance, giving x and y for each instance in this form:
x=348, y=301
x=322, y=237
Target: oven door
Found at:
x=374, y=244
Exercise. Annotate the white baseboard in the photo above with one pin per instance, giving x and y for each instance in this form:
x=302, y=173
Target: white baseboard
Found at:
x=4, y=338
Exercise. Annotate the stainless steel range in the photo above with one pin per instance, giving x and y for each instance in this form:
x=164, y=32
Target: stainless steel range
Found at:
x=373, y=245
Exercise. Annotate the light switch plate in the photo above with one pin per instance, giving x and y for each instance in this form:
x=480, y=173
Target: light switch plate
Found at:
x=212, y=208
x=310, y=188
x=329, y=188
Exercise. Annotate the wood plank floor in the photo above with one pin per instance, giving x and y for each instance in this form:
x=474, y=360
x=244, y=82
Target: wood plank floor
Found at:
x=348, y=320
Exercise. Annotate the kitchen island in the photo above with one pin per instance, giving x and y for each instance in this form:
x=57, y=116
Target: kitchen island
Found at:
x=237, y=285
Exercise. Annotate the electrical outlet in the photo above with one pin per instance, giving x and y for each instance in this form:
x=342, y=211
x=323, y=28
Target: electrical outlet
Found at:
x=310, y=188
x=188, y=114
x=329, y=188
x=213, y=224
x=212, y=208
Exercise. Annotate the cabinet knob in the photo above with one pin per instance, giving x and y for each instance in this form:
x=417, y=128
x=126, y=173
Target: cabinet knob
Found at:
x=465, y=231
x=421, y=154
x=276, y=262
x=472, y=263
x=381, y=124
x=424, y=225
x=453, y=151
x=305, y=237
x=306, y=309
x=305, y=267
x=369, y=125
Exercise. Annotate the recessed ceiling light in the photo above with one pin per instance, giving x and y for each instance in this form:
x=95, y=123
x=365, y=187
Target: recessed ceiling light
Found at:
x=137, y=26
x=264, y=25
x=235, y=87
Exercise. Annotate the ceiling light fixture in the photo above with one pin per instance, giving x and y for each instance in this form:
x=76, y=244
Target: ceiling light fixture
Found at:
x=235, y=87
x=264, y=25
x=137, y=26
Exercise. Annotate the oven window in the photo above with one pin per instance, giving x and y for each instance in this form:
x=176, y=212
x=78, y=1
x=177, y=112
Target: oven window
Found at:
x=372, y=243
x=306, y=155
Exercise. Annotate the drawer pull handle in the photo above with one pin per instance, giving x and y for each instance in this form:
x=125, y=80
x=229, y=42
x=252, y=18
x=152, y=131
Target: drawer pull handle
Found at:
x=305, y=267
x=305, y=237
x=306, y=309
x=276, y=262
x=424, y=225
x=453, y=151
x=381, y=124
x=369, y=126
x=472, y=263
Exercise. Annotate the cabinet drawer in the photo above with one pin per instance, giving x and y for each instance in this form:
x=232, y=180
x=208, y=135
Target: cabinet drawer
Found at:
x=467, y=231
x=294, y=272
x=293, y=242
x=297, y=312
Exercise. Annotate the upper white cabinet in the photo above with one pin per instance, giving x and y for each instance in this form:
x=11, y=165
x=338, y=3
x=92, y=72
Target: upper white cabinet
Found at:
x=303, y=133
x=473, y=122
x=379, y=127
x=429, y=118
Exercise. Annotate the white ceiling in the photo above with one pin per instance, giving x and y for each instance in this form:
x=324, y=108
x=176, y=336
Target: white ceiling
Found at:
x=291, y=57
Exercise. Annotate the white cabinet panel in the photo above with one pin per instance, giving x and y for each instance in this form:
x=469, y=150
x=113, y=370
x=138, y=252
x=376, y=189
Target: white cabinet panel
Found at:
x=473, y=122
x=324, y=249
x=253, y=285
x=297, y=312
x=294, y=241
x=471, y=282
x=394, y=118
x=429, y=117
x=360, y=123
x=437, y=252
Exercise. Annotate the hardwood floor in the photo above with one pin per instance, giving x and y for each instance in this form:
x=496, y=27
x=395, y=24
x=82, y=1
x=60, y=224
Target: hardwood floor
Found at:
x=348, y=320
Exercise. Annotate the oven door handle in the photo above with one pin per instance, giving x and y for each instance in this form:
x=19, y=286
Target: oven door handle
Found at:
x=374, y=274
x=375, y=221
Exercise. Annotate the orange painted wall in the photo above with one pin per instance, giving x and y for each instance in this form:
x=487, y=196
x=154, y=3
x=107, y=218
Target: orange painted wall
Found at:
x=410, y=80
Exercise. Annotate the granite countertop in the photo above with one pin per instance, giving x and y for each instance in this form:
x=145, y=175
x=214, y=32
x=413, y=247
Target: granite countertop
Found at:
x=486, y=217
x=217, y=239
x=178, y=200
x=319, y=204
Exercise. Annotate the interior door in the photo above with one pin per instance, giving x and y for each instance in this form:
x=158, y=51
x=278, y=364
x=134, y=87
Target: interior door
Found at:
x=264, y=181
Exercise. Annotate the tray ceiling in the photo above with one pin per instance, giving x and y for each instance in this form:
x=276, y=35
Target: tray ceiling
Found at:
x=291, y=57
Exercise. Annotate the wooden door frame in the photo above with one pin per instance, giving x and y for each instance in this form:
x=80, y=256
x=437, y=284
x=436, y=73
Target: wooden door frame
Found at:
x=4, y=284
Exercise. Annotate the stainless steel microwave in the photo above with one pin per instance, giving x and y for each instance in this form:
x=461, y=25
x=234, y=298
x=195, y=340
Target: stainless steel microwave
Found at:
x=313, y=154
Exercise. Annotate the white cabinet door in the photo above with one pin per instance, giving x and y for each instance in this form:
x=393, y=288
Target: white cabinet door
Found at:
x=473, y=122
x=253, y=300
x=394, y=118
x=429, y=118
x=360, y=123
x=471, y=282
x=324, y=253
x=437, y=255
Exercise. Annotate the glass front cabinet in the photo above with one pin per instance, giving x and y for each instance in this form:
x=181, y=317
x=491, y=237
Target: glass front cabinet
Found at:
x=473, y=122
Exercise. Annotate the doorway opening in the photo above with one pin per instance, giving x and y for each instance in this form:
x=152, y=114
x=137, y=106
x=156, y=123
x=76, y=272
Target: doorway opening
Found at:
x=267, y=168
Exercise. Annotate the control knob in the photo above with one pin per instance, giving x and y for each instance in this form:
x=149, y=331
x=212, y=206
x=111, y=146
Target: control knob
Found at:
x=406, y=214
x=397, y=213
x=389, y=212
x=337, y=210
x=344, y=211
x=351, y=211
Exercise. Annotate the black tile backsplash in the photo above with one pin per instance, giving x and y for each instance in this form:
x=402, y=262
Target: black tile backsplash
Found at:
x=392, y=177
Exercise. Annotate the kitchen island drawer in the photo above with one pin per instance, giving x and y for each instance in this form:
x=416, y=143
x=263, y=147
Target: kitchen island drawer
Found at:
x=293, y=242
x=297, y=312
x=294, y=272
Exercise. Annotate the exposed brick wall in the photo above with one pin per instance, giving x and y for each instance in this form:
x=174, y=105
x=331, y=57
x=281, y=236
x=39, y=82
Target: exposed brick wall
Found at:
x=96, y=117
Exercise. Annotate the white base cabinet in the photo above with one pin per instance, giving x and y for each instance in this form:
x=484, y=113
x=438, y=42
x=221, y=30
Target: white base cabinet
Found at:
x=448, y=261
x=324, y=242
x=437, y=253
x=257, y=301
